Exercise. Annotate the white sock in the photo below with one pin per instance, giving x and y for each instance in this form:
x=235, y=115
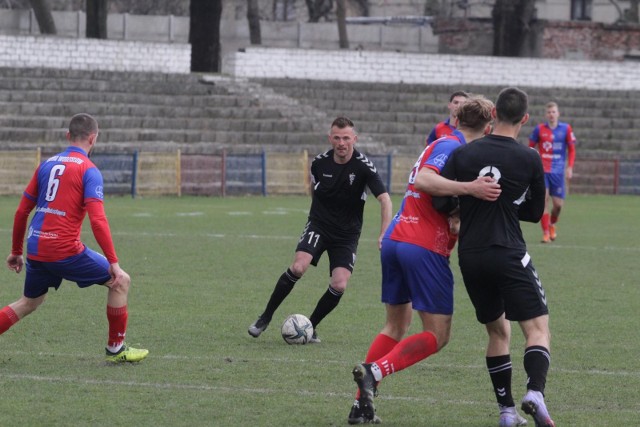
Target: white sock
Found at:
x=114, y=348
x=377, y=373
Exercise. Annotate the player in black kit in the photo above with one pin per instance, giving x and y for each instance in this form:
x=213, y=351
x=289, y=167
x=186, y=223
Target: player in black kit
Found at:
x=340, y=178
x=500, y=278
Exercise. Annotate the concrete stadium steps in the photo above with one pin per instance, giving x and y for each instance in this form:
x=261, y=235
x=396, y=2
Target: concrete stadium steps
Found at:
x=207, y=112
x=142, y=123
x=130, y=98
x=102, y=109
x=399, y=116
x=150, y=110
x=102, y=81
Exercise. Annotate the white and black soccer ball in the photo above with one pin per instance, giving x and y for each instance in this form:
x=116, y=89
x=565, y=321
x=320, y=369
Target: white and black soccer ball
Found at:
x=297, y=329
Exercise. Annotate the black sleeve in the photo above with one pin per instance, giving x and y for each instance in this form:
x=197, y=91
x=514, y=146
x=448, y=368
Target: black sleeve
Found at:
x=532, y=208
x=375, y=183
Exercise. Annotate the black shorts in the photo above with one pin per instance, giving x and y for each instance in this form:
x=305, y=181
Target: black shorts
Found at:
x=503, y=280
x=341, y=248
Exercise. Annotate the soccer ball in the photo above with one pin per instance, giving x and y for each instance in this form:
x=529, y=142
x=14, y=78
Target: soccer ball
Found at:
x=297, y=329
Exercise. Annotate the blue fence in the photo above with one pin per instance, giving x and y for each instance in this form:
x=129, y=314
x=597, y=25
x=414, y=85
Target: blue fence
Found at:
x=162, y=173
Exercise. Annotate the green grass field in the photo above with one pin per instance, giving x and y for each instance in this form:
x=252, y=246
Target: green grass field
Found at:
x=202, y=270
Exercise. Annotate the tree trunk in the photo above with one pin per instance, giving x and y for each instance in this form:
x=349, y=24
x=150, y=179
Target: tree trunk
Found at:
x=634, y=13
x=341, y=15
x=511, y=25
x=363, y=5
x=318, y=9
x=42, y=10
x=253, y=17
x=204, y=34
x=97, y=11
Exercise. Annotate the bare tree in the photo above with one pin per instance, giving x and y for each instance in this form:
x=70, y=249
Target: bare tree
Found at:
x=204, y=34
x=634, y=11
x=318, y=9
x=97, y=11
x=42, y=10
x=511, y=24
x=363, y=5
x=253, y=17
x=629, y=15
x=341, y=15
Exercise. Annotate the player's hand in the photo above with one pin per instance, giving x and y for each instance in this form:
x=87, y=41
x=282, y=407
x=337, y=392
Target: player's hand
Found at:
x=485, y=188
x=15, y=263
x=569, y=172
x=118, y=276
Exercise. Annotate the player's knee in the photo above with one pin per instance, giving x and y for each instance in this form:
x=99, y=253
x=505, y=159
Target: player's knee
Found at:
x=123, y=286
x=126, y=283
x=298, y=268
x=339, y=286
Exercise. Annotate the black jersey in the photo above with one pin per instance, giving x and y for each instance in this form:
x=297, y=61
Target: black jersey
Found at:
x=519, y=172
x=339, y=191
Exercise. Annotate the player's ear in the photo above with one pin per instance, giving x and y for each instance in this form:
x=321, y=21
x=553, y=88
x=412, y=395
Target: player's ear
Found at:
x=68, y=136
x=525, y=119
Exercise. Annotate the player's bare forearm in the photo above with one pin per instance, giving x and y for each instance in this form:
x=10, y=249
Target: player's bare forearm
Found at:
x=386, y=212
x=484, y=188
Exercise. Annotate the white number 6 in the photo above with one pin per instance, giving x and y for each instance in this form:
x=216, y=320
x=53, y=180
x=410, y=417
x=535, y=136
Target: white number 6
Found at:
x=54, y=182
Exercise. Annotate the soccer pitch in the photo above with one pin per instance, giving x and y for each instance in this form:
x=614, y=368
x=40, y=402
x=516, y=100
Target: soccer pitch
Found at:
x=202, y=270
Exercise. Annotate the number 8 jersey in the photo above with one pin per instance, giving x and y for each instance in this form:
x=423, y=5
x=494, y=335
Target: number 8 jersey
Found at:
x=61, y=187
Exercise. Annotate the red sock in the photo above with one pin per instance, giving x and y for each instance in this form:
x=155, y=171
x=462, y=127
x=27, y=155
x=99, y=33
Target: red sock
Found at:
x=553, y=219
x=8, y=318
x=410, y=350
x=381, y=345
x=117, y=317
x=544, y=223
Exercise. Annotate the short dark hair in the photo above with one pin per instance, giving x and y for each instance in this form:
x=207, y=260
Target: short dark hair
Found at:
x=512, y=105
x=343, y=122
x=458, y=93
x=475, y=114
x=81, y=126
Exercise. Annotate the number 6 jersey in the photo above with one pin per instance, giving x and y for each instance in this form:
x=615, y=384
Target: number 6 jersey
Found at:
x=62, y=190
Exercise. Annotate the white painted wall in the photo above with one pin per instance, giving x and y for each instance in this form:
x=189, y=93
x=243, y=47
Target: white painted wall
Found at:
x=92, y=54
x=421, y=68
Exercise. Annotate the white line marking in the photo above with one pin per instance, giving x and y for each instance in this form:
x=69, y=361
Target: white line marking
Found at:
x=281, y=360
x=189, y=213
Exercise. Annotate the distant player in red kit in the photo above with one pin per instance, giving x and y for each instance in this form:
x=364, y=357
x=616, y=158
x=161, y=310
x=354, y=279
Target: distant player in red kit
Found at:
x=446, y=127
x=63, y=189
x=556, y=143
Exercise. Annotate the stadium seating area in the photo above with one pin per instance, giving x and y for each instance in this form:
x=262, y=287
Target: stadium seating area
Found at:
x=206, y=114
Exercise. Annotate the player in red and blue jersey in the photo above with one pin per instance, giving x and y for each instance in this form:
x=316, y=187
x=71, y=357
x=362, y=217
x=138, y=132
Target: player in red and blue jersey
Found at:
x=63, y=189
x=447, y=126
x=556, y=143
x=415, y=263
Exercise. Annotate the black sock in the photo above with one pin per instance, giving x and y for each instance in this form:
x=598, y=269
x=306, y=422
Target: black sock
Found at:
x=536, y=364
x=280, y=292
x=326, y=304
x=499, y=368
